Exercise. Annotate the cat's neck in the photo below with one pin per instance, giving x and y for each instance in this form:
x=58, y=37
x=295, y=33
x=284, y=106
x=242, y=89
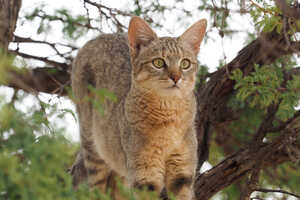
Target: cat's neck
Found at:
x=154, y=109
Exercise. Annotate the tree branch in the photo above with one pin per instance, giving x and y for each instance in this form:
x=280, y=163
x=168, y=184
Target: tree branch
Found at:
x=59, y=65
x=56, y=18
x=288, y=11
x=19, y=39
x=265, y=124
x=9, y=11
x=278, y=191
x=46, y=79
x=241, y=163
x=251, y=182
x=285, y=124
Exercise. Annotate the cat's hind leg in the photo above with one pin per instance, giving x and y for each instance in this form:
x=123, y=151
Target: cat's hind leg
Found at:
x=98, y=171
x=100, y=175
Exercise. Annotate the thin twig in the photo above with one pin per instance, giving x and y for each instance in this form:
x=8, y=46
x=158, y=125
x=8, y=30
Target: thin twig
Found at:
x=60, y=65
x=277, y=191
x=56, y=18
x=285, y=124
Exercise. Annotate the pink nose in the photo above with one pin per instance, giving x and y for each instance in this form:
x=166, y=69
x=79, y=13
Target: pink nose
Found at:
x=175, y=77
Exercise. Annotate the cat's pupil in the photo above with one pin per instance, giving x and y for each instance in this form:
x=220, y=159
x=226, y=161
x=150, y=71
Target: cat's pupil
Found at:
x=158, y=63
x=185, y=64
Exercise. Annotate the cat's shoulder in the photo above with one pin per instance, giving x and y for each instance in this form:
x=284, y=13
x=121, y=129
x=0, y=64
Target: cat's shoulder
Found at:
x=103, y=40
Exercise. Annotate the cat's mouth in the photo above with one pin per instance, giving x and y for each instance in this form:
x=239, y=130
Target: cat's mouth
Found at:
x=174, y=87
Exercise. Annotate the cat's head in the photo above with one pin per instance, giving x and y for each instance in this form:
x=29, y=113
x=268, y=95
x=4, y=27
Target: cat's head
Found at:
x=166, y=66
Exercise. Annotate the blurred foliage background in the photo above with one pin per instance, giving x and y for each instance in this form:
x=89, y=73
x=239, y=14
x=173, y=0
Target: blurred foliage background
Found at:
x=35, y=151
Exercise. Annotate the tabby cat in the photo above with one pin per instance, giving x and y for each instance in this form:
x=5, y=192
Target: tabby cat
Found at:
x=146, y=138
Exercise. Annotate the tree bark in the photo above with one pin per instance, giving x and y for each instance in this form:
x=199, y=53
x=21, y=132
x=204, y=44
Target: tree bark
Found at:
x=47, y=79
x=9, y=10
x=242, y=162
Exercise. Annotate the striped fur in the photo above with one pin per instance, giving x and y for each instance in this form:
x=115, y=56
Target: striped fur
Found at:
x=147, y=137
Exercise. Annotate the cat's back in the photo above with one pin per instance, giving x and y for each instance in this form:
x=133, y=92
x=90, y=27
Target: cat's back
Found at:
x=103, y=62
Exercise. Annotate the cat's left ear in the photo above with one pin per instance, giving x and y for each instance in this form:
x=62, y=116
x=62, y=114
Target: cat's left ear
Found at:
x=194, y=35
x=139, y=35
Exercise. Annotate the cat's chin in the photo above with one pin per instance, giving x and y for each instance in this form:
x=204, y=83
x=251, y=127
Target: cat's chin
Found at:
x=173, y=91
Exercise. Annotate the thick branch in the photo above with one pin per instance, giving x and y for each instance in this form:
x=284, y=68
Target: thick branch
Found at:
x=241, y=163
x=46, y=79
x=288, y=11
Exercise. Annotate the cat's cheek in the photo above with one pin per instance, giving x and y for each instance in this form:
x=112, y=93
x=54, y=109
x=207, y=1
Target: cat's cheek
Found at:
x=142, y=76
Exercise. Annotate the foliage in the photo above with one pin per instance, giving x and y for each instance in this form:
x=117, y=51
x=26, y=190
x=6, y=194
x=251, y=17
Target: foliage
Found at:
x=34, y=159
x=35, y=156
x=63, y=15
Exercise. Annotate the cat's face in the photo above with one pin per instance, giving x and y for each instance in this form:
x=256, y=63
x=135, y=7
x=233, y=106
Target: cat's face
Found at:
x=166, y=66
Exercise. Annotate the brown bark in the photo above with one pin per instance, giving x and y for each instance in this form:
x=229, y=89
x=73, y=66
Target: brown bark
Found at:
x=46, y=79
x=287, y=10
x=241, y=163
x=9, y=10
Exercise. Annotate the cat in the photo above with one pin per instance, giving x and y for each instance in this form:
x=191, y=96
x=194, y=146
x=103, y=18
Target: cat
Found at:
x=147, y=138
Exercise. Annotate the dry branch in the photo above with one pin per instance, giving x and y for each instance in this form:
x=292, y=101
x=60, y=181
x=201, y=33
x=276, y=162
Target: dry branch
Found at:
x=45, y=79
x=287, y=10
x=276, y=191
x=241, y=163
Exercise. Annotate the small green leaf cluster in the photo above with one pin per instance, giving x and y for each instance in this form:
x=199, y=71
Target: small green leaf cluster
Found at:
x=33, y=161
x=264, y=87
x=266, y=18
x=99, y=96
x=260, y=88
x=6, y=63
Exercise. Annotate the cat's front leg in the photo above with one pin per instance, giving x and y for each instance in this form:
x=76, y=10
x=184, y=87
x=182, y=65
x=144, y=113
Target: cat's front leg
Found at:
x=181, y=168
x=146, y=168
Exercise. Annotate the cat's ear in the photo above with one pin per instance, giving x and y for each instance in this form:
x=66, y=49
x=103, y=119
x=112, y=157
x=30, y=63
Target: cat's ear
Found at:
x=139, y=34
x=194, y=35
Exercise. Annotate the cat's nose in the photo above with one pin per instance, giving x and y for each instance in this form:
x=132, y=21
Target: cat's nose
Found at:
x=175, y=77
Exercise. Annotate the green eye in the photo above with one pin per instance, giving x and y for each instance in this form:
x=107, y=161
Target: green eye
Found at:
x=158, y=63
x=185, y=64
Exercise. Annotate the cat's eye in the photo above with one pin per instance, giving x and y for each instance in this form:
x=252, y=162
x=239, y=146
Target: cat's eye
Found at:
x=185, y=64
x=158, y=63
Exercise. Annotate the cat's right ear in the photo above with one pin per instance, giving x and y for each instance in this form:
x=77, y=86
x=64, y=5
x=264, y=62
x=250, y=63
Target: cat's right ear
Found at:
x=194, y=35
x=139, y=34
